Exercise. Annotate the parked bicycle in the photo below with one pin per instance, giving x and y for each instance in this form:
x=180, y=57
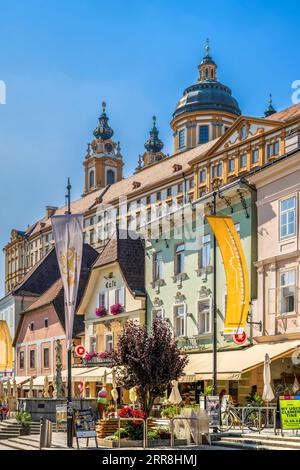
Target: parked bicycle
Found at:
x=250, y=417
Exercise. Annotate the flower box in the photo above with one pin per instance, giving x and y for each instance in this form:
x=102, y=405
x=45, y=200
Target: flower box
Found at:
x=115, y=309
x=101, y=311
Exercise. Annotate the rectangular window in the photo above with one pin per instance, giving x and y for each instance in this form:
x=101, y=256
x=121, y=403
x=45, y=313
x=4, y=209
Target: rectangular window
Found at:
x=191, y=183
x=254, y=156
x=31, y=326
x=181, y=138
x=169, y=192
x=109, y=342
x=103, y=300
x=21, y=359
x=273, y=149
x=179, y=258
x=180, y=188
x=179, y=317
x=288, y=217
x=32, y=359
x=93, y=344
x=231, y=165
x=276, y=147
x=217, y=170
x=158, y=196
x=203, y=134
x=46, y=358
x=157, y=266
x=287, y=291
x=119, y=295
x=204, y=253
x=148, y=200
x=46, y=323
x=243, y=161
x=202, y=175
x=204, y=317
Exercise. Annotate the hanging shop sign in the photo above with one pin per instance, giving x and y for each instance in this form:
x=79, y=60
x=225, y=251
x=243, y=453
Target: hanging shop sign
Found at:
x=290, y=412
x=80, y=350
x=240, y=339
x=6, y=350
x=237, y=278
x=213, y=408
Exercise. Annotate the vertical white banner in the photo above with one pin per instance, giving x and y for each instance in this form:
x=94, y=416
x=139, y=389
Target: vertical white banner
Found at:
x=68, y=237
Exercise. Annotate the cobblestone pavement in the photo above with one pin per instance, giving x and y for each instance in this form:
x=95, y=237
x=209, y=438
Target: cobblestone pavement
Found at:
x=59, y=442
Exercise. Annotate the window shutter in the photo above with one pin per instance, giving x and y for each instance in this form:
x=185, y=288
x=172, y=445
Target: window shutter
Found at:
x=106, y=300
x=122, y=296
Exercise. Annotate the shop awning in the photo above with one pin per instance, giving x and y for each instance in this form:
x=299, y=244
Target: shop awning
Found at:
x=232, y=364
x=95, y=375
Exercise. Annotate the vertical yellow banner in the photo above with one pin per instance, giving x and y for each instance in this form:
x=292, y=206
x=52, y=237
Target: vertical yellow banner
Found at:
x=237, y=279
x=6, y=352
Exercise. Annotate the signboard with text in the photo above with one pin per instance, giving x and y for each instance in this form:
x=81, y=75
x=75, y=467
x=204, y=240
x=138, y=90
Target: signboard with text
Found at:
x=290, y=412
x=213, y=408
x=84, y=423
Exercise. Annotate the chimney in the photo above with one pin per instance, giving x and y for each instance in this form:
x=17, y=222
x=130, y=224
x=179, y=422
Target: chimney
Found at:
x=50, y=210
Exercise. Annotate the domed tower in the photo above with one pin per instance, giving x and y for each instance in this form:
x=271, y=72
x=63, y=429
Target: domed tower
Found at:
x=103, y=164
x=205, y=111
x=153, y=148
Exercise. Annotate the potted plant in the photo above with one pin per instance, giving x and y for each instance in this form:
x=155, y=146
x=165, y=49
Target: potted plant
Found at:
x=24, y=418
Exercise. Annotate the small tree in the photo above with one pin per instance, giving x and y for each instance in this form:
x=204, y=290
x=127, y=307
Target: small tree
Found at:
x=148, y=362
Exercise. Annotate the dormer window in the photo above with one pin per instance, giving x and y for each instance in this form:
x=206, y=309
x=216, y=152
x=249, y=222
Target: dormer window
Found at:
x=91, y=179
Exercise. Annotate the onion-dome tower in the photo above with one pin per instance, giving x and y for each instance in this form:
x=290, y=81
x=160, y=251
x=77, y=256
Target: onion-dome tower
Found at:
x=103, y=161
x=153, y=148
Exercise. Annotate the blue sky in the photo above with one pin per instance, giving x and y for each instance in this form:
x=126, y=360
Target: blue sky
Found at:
x=60, y=59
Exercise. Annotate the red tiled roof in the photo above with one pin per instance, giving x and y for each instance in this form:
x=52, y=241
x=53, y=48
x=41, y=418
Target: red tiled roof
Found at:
x=286, y=114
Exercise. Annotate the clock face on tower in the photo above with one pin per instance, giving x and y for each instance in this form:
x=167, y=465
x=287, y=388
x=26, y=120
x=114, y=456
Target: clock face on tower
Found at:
x=108, y=147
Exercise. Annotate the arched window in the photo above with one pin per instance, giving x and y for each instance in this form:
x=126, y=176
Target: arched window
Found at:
x=92, y=179
x=110, y=177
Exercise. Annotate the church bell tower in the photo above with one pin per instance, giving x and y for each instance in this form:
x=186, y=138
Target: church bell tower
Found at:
x=103, y=163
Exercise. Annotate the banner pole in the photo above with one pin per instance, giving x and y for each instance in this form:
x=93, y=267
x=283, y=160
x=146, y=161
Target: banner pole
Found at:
x=69, y=359
x=215, y=306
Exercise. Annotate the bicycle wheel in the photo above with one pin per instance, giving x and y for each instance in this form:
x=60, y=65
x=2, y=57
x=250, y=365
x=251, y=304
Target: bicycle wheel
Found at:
x=254, y=420
x=227, y=421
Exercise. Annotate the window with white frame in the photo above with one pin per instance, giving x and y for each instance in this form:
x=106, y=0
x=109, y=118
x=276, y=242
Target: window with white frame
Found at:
x=181, y=138
x=109, y=342
x=119, y=295
x=203, y=134
x=157, y=266
x=204, y=316
x=287, y=291
x=288, y=217
x=93, y=344
x=103, y=299
x=179, y=258
x=179, y=320
x=204, y=253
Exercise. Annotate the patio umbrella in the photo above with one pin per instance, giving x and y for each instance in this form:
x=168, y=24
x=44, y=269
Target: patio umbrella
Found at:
x=132, y=395
x=46, y=387
x=114, y=392
x=8, y=386
x=15, y=390
x=296, y=385
x=175, y=397
x=268, y=394
x=30, y=393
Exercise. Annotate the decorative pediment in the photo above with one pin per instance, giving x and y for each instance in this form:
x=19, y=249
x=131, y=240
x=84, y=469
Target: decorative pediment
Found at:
x=243, y=130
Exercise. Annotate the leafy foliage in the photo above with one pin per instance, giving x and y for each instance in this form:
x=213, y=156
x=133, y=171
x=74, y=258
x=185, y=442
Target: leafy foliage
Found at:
x=148, y=361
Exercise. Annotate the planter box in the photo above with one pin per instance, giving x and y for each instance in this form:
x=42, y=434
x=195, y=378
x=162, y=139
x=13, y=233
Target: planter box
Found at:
x=151, y=443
